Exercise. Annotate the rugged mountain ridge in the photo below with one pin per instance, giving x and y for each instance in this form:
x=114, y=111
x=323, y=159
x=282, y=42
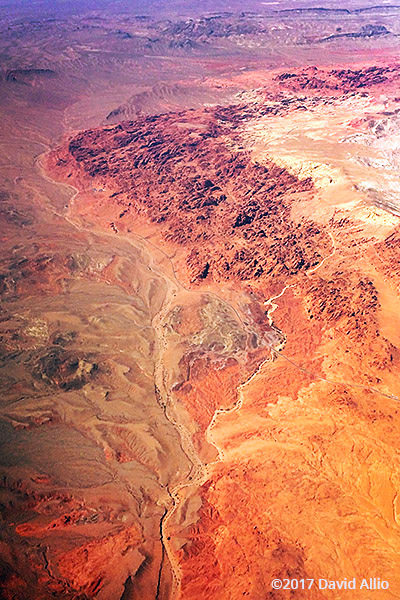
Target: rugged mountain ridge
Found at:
x=207, y=192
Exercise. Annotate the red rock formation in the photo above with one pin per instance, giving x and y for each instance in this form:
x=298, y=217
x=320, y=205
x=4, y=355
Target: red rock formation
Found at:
x=304, y=432
x=339, y=80
x=229, y=214
x=90, y=566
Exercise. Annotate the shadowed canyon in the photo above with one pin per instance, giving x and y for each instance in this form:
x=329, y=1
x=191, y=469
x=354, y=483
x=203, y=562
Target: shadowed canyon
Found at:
x=200, y=290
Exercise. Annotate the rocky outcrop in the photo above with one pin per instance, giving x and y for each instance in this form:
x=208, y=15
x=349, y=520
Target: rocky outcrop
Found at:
x=230, y=214
x=207, y=28
x=339, y=80
x=366, y=31
x=63, y=369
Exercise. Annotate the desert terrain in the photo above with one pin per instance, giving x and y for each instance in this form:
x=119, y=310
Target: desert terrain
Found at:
x=200, y=367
